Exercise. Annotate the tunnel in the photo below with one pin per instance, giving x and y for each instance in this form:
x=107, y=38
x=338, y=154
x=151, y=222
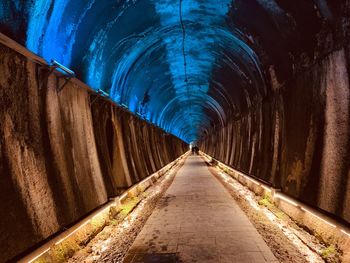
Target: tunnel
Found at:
x=102, y=100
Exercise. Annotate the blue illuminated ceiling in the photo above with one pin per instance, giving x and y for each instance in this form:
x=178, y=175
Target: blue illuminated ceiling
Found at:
x=183, y=65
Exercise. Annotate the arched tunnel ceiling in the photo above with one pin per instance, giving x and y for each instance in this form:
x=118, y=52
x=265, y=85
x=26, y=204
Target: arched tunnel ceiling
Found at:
x=184, y=65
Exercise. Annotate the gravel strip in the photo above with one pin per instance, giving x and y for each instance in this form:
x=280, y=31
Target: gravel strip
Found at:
x=113, y=242
x=283, y=249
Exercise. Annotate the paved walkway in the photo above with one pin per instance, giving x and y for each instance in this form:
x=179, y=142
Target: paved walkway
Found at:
x=198, y=221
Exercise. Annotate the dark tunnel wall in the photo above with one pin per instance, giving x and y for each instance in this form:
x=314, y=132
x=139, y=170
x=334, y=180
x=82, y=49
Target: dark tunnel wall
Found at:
x=297, y=137
x=262, y=85
x=60, y=158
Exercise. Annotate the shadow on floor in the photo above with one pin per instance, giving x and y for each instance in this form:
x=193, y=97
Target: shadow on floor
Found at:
x=153, y=258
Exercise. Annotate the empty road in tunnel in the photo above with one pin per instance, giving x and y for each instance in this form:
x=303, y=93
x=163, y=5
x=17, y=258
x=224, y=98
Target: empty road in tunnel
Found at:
x=197, y=220
x=100, y=102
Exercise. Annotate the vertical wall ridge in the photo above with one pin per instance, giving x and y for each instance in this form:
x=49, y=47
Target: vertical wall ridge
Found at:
x=63, y=154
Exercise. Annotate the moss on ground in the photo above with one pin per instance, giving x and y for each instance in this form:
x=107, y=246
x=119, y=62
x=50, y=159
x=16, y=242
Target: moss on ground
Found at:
x=98, y=221
x=66, y=249
x=281, y=215
x=113, y=222
x=129, y=204
x=266, y=200
x=61, y=252
x=225, y=170
x=328, y=252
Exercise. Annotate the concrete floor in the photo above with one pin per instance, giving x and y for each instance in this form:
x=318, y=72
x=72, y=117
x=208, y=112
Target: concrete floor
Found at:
x=198, y=221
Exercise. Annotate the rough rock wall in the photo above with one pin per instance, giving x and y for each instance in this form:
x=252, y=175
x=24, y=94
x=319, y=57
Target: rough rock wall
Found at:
x=297, y=138
x=61, y=156
x=129, y=149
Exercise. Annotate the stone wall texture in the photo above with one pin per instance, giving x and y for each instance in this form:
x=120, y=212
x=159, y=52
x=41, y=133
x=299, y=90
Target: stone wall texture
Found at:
x=63, y=154
x=297, y=137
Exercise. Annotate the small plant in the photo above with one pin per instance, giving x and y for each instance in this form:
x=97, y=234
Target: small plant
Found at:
x=128, y=206
x=225, y=170
x=281, y=215
x=113, y=222
x=266, y=200
x=328, y=252
x=113, y=211
x=63, y=251
x=98, y=221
